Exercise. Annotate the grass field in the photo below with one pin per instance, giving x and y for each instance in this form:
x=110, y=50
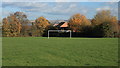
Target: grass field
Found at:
x=38, y=51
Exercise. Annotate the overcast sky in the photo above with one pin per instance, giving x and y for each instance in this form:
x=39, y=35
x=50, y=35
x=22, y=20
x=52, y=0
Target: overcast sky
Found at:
x=58, y=10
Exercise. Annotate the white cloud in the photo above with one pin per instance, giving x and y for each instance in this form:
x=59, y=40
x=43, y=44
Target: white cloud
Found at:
x=67, y=9
x=87, y=0
x=36, y=9
x=103, y=8
x=103, y=0
x=114, y=0
x=28, y=0
x=60, y=0
x=24, y=4
x=112, y=6
x=113, y=9
x=73, y=6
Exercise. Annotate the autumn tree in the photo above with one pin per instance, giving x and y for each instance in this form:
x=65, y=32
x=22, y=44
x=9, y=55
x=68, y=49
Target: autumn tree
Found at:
x=11, y=26
x=77, y=21
x=103, y=16
x=105, y=24
x=22, y=17
x=5, y=28
x=34, y=30
x=41, y=23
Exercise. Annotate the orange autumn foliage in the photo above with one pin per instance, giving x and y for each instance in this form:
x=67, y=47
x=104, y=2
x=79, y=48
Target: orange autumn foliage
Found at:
x=11, y=26
x=78, y=20
x=42, y=22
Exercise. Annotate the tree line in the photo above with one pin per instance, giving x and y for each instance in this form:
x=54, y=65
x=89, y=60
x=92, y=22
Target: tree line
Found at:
x=104, y=24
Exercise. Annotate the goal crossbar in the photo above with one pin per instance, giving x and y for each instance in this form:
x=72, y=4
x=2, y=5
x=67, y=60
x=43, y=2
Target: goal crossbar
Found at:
x=59, y=31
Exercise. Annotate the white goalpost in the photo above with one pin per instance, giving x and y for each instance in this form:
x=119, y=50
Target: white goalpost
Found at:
x=59, y=31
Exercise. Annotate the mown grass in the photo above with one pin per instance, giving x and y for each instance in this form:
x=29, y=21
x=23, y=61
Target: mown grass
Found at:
x=38, y=51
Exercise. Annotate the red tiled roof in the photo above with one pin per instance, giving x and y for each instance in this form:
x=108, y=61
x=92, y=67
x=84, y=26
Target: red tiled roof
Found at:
x=55, y=24
x=64, y=25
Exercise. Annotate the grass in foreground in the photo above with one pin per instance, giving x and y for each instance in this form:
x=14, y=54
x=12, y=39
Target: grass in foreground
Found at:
x=34, y=51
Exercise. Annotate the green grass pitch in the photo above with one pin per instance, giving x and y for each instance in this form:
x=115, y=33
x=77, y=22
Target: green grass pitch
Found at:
x=39, y=51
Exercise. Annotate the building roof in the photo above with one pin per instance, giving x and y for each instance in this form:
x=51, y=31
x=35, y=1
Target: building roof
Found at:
x=55, y=24
x=62, y=24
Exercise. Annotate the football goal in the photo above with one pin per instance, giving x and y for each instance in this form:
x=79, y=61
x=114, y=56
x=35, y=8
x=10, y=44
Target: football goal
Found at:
x=60, y=31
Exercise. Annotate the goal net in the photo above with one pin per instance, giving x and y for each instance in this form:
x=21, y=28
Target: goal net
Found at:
x=59, y=31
